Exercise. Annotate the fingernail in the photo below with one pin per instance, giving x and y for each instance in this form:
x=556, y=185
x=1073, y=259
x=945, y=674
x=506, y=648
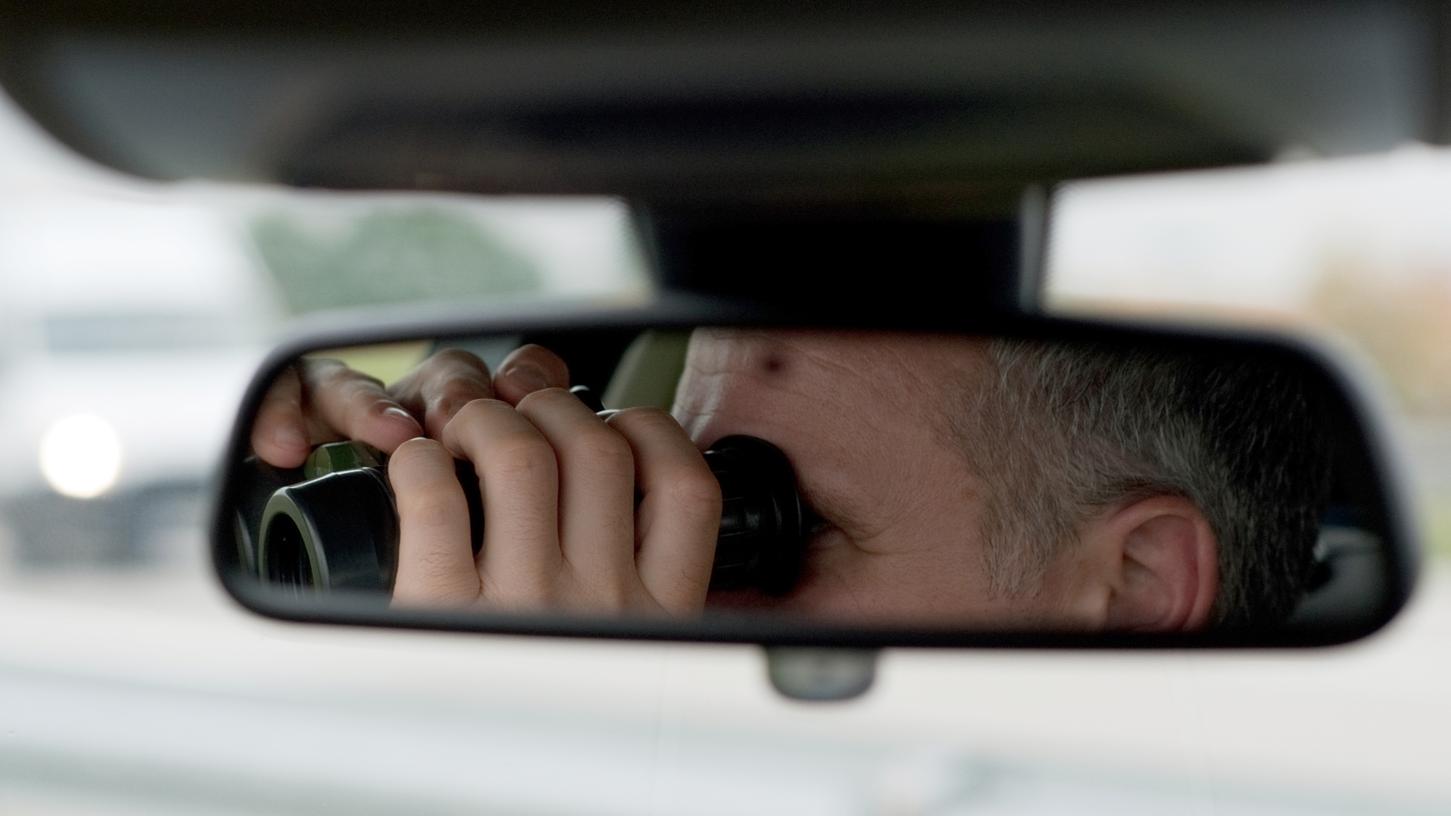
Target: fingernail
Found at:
x=400, y=414
x=288, y=436
x=527, y=377
x=588, y=397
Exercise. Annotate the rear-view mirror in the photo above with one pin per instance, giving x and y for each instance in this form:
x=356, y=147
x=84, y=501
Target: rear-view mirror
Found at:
x=711, y=476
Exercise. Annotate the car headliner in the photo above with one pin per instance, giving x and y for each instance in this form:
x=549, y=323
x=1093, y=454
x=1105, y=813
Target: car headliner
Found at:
x=962, y=105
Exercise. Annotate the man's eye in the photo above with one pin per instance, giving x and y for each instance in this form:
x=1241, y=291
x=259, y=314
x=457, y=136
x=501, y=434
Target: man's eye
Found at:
x=824, y=510
x=812, y=521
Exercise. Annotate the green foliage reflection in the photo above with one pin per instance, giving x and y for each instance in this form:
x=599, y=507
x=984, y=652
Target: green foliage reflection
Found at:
x=389, y=255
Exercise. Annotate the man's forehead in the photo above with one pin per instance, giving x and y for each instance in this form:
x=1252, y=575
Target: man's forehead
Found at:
x=903, y=385
x=845, y=349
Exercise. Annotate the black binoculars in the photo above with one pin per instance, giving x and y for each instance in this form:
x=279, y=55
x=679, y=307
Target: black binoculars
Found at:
x=332, y=524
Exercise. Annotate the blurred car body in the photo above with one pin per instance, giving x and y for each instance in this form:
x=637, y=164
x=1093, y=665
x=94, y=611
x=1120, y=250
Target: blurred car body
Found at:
x=110, y=313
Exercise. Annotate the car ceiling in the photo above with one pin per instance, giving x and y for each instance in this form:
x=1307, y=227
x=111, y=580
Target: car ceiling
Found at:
x=967, y=103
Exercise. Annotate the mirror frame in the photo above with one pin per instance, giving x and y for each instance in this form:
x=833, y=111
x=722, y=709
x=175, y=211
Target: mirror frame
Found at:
x=1361, y=404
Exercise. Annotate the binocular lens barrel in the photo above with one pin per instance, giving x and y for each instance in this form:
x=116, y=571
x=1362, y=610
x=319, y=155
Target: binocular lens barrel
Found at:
x=288, y=563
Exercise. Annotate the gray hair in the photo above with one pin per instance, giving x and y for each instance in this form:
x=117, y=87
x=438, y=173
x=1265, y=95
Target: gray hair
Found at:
x=1061, y=430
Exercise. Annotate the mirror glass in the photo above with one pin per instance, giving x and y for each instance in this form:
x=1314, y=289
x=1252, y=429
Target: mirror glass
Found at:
x=810, y=477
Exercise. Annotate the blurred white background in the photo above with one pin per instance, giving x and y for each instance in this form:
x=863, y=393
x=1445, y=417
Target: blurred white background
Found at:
x=131, y=315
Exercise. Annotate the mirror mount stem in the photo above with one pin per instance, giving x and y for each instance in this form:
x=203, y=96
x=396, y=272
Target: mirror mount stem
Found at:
x=835, y=255
x=821, y=675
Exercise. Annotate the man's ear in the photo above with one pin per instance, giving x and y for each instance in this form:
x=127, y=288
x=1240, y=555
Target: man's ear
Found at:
x=1158, y=560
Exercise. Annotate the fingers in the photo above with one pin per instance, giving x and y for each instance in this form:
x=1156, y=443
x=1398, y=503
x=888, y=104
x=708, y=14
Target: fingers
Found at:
x=528, y=369
x=680, y=508
x=441, y=385
x=519, y=482
x=435, y=555
x=279, y=435
x=322, y=400
x=558, y=487
x=596, y=493
x=341, y=401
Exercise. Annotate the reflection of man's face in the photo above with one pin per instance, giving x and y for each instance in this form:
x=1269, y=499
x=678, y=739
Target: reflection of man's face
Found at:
x=864, y=421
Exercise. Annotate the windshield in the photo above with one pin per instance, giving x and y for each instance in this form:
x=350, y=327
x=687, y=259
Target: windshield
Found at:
x=129, y=649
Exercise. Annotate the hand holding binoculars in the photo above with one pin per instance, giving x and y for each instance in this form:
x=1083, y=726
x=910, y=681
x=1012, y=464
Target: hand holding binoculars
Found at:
x=332, y=524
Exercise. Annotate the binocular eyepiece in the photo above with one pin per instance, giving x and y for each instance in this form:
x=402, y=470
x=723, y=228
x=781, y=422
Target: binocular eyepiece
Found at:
x=333, y=524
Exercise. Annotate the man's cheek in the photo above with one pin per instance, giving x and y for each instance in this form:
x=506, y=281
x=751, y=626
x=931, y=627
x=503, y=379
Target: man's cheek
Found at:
x=726, y=599
x=832, y=585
